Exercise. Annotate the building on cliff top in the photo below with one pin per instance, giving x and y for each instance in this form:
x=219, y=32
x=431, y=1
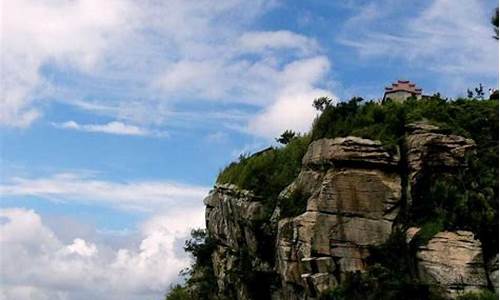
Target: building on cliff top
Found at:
x=402, y=90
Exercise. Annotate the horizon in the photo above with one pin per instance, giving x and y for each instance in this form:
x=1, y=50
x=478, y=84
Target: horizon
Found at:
x=117, y=117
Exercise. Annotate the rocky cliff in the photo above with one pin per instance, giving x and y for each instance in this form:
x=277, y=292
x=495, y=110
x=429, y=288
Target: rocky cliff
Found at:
x=355, y=191
x=355, y=194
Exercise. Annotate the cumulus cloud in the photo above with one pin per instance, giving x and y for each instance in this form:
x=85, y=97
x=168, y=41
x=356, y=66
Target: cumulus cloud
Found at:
x=36, y=264
x=282, y=87
x=34, y=33
x=164, y=53
x=292, y=108
x=114, y=127
x=136, y=195
x=450, y=37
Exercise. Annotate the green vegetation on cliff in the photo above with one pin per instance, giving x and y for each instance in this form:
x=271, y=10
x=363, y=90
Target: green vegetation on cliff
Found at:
x=466, y=199
x=269, y=172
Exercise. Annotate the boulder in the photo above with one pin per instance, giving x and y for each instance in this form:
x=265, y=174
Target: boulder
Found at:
x=454, y=262
x=428, y=147
x=348, y=149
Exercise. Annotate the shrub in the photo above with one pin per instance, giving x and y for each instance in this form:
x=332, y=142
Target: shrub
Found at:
x=464, y=200
x=268, y=173
x=481, y=295
x=427, y=232
x=467, y=200
x=200, y=246
x=201, y=274
x=178, y=292
x=295, y=204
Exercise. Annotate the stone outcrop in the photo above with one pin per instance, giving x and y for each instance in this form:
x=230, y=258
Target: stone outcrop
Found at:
x=429, y=148
x=230, y=213
x=234, y=218
x=347, y=150
x=354, y=189
x=355, y=195
x=454, y=262
x=492, y=269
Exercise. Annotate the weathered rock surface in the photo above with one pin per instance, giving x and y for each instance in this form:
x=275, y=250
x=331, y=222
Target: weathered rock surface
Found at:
x=354, y=192
x=355, y=195
x=454, y=261
x=428, y=148
x=230, y=213
x=348, y=149
x=233, y=219
x=493, y=272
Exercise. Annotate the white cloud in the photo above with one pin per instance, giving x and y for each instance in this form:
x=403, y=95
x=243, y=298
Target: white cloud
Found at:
x=139, y=195
x=277, y=40
x=293, y=106
x=36, y=264
x=163, y=53
x=113, y=127
x=34, y=33
x=81, y=248
x=449, y=37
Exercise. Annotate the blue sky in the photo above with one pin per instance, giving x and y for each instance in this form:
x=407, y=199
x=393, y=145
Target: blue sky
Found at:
x=117, y=116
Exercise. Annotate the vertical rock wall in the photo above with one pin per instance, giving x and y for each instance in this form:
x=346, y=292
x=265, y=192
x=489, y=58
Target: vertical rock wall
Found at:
x=355, y=195
x=355, y=190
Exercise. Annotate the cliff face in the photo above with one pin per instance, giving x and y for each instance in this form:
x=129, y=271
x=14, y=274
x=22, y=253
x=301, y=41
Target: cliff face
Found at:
x=355, y=195
x=236, y=219
x=355, y=192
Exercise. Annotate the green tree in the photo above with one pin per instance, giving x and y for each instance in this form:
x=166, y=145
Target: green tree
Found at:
x=494, y=22
x=480, y=91
x=321, y=103
x=178, y=292
x=286, y=137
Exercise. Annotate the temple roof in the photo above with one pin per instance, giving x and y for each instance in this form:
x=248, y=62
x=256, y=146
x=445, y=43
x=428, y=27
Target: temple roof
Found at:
x=404, y=85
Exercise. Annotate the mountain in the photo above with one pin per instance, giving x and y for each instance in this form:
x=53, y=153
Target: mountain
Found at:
x=379, y=201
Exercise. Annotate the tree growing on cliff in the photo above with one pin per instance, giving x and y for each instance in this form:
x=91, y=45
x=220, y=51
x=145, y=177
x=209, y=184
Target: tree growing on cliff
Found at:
x=286, y=137
x=321, y=103
x=494, y=22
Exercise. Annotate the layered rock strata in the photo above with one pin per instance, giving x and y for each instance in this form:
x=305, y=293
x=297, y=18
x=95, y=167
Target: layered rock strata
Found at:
x=354, y=198
x=454, y=262
x=234, y=218
x=429, y=149
x=354, y=189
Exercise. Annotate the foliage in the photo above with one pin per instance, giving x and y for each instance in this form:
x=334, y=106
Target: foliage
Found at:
x=427, y=231
x=370, y=120
x=286, y=137
x=178, y=292
x=386, y=122
x=482, y=295
x=379, y=283
x=201, y=274
x=320, y=104
x=294, y=204
x=390, y=275
x=268, y=173
x=479, y=91
x=467, y=199
x=200, y=246
x=494, y=22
